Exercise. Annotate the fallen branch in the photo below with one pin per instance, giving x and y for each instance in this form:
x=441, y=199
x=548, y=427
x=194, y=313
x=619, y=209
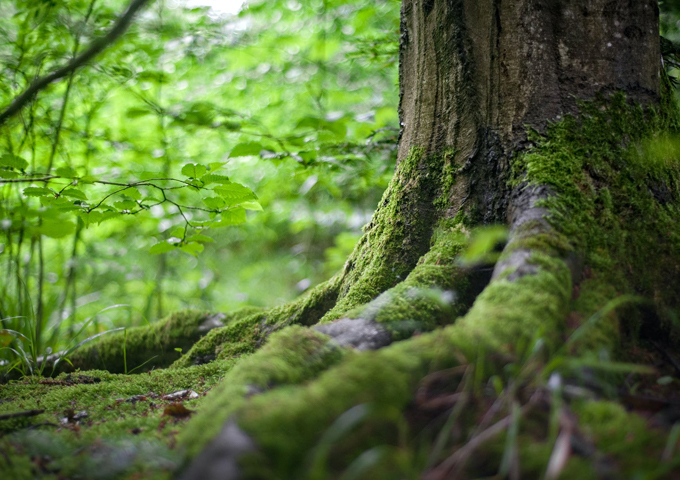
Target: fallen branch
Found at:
x=95, y=49
x=27, y=413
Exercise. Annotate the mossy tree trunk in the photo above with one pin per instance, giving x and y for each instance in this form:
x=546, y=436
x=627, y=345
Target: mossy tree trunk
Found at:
x=527, y=114
x=532, y=114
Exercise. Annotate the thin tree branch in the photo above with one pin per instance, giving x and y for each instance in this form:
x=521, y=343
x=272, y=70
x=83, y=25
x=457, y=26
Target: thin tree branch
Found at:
x=28, y=413
x=95, y=49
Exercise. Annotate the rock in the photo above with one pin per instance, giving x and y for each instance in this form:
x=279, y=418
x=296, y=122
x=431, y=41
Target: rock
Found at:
x=359, y=333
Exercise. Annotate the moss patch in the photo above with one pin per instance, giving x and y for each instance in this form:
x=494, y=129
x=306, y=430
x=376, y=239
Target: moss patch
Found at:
x=146, y=347
x=97, y=424
x=616, y=195
x=290, y=357
x=434, y=294
x=397, y=236
x=243, y=335
x=626, y=439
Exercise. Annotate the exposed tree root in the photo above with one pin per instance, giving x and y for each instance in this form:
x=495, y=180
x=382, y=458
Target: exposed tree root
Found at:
x=141, y=348
x=557, y=227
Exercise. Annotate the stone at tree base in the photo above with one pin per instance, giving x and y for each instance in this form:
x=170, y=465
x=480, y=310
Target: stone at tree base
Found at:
x=358, y=333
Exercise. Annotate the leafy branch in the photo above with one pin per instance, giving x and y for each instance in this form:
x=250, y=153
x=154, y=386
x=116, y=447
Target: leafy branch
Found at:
x=95, y=49
x=226, y=207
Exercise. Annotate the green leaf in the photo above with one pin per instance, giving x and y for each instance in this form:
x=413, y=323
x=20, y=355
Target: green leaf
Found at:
x=125, y=205
x=74, y=193
x=233, y=216
x=133, y=193
x=60, y=204
x=252, y=205
x=66, y=172
x=193, y=170
x=13, y=161
x=216, y=165
x=8, y=174
x=235, y=192
x=37, y=191
x=162, y=247
x=97, y=217
x=136, y=112
x=177, y=232
x=309, y=122
x=192, y=248
x=246, y=149
x=213, y=178
x=200, y=239
x=214, y=203
x=55, y=228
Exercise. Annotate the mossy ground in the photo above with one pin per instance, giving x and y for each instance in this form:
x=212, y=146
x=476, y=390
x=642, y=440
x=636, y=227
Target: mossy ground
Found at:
x=97, y=424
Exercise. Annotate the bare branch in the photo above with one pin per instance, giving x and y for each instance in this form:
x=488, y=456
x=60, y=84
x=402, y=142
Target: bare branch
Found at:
x=95, y=49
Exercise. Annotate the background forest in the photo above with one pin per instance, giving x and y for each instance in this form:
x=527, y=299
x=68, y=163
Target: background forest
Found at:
x=204, y=160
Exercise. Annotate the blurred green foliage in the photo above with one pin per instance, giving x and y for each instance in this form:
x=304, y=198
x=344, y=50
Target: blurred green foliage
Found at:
x=279, y=123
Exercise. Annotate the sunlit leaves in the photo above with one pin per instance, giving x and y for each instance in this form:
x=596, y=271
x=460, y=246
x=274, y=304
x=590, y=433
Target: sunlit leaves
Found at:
x=192, y=248
x=66, y=172
x=74, y=193
x=133, y=193
x=162, y=247
x=56, y=228
x=97, y=217
x=200, y=239
x=12, y=161
x=235, y=192
x=37, y=191
x=214, y=203
x=233, y=216
x=193, y=170
x=246, y=149
x=252, y=205
x=213, y=178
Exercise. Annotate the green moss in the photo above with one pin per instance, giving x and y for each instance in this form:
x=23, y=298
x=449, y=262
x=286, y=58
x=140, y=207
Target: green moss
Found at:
x=290, y=357
x=434, y=294
x=529, y=306
x=146, y=347
x=616, y=191
x=288, y=422
x=245, y=334
x=625, y=438
x=397, y=236
x=592, y=296
x=124, y=429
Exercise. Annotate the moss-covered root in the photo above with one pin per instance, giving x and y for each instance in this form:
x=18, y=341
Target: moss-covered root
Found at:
x=290, y=357
x=287, y=423
x=436, y=292
x=397, y=236
x=247, y=333
x=146, y=347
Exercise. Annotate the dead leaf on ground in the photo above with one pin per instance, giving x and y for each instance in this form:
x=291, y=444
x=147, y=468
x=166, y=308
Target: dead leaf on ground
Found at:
x=177, y=410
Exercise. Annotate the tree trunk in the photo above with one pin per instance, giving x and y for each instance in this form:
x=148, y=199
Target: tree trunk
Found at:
x=536, y=115
x=517, y=113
